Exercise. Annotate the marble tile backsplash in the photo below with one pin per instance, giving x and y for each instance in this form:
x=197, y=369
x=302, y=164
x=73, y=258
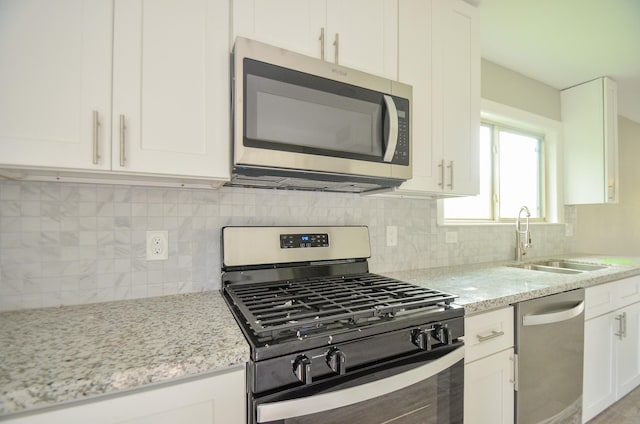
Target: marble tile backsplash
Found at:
x=64, y=243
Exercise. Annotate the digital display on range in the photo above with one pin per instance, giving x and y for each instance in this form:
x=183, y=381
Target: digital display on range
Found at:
x=297, y=241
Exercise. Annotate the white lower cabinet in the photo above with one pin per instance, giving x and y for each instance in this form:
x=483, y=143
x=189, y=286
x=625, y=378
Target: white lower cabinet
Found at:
x=611, y=345
x=598, y=385
x=489, y=368
x=217, y=399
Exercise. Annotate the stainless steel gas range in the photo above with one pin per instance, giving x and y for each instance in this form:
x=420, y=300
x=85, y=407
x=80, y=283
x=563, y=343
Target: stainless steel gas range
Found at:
x=332, y=342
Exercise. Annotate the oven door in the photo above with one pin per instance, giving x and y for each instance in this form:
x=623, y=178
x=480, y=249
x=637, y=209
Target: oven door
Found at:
x=425, y=390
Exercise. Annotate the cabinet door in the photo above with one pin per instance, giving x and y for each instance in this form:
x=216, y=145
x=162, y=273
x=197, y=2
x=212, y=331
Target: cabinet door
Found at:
x=171, y=88
x=628, y=355
x=589, y=119
x=439, y=55
x=217, y=399
x=601, y=299
x=599, y=389
x=488, y=389
x=414, y=68
x=627, y=291
x=488, y=333
x=368, y=35
x=294, y=25
x=456, y=93
x=55, y=72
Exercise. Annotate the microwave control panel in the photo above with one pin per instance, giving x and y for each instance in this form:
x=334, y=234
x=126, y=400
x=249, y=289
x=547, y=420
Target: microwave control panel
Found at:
x=401, y=155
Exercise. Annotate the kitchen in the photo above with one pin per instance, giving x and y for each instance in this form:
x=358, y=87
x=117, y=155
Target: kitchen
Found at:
x=70, y=243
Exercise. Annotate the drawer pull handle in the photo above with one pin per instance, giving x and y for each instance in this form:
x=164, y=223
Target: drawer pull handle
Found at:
x=493, y=335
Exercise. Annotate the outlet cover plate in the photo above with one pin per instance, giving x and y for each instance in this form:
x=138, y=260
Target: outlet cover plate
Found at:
x=392, y=235
x=157, y=245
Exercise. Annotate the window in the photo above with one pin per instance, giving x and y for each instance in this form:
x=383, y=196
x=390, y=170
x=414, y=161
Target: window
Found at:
x=511, y=175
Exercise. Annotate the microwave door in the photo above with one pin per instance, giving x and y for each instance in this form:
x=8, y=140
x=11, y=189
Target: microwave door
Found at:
x=391, y=123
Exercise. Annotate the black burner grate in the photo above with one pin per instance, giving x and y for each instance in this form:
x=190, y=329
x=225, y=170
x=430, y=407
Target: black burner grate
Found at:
x=306, y=305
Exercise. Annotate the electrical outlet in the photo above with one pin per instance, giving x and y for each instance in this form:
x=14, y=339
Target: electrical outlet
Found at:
x=392, y=235
x=568, y=230
x=157, y=245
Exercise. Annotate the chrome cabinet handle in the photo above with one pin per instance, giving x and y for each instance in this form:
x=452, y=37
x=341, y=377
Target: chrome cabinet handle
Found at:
x=612, y=191
x=619, y=332
x=512, y=380
x=321, y=38
x=450, y=167
x=123, y=159
x=441, y=166
x=493, y=335
x=622, y=325
x=96, y=145
x=336, y=44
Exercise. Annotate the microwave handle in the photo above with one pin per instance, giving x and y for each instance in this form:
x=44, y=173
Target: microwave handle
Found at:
x=392, y=135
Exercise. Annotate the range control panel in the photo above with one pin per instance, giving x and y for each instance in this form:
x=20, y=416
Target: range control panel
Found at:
x=293, y=241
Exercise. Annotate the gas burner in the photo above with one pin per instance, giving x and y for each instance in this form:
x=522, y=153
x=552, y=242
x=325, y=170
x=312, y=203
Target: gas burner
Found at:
x=286, y=309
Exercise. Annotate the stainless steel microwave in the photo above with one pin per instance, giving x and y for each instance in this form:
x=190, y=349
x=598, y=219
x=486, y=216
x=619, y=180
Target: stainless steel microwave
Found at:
x=304, y=123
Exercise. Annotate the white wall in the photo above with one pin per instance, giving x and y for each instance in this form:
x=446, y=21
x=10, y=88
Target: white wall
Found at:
x=615, y=229
x=505, y=86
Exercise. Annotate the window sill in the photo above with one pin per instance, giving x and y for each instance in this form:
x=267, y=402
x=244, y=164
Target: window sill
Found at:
x=495, y=224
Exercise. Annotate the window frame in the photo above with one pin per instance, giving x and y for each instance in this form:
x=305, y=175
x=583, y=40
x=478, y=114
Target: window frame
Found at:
x=495, y=201
x=550, y=130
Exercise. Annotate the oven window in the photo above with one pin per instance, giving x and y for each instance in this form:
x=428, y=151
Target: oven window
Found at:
x=290, y=111
x=436, y=400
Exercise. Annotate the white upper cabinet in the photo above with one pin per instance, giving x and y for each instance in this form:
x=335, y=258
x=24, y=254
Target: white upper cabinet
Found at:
x=360, y=34
x=162, y=112
x=171, y=88
x=439, y=55
x=55, y=73
x=590, y=121
x=456, y=93
x=363, y=34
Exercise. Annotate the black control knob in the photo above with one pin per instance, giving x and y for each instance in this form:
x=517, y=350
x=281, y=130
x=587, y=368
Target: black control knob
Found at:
x=337, y=361
x=443, y=333
x=302, y=369
x=422, y=339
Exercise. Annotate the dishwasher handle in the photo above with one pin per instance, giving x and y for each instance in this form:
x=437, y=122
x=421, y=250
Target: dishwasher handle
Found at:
x=564, y=315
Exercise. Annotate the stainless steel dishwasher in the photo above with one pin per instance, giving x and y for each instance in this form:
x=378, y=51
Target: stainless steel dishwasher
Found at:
x=549, y=348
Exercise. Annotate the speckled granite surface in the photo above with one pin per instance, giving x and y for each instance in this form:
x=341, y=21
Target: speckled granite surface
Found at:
x=54, y=355
x=487, y=286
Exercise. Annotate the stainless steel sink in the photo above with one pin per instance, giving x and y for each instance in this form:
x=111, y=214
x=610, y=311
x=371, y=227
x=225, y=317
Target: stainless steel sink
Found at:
x=560, y=266
x=535, y=267
x=579, y=266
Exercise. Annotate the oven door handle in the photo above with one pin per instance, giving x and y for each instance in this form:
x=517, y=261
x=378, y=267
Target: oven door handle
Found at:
x=327, y=401
x=392, y=135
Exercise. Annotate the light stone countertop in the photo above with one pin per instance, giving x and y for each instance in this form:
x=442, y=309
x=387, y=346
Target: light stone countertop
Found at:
x=483, y=287
x=54, y=355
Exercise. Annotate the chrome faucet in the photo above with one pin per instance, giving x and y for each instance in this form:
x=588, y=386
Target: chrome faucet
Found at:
x=522, y=246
